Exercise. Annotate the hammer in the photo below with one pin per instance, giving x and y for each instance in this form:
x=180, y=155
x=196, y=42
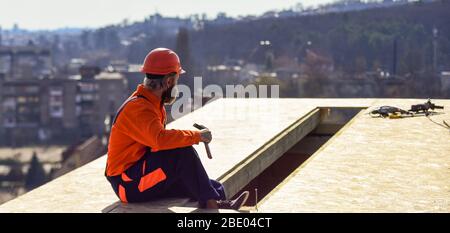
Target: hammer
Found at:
x=200, y=127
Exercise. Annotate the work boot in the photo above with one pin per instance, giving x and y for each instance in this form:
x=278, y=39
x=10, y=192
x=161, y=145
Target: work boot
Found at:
x=235, y=204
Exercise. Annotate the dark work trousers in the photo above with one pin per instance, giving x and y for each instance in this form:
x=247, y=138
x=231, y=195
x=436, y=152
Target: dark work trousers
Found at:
x=167, y=173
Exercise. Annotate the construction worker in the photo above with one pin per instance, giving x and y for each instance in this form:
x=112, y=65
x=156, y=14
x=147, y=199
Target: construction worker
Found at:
x=145, y=160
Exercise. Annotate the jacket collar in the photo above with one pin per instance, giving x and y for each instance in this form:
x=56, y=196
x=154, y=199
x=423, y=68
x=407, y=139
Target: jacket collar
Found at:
x=141, y=90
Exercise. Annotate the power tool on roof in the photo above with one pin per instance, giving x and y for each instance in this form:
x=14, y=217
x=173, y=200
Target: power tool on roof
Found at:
x=394, y=112
x=424, y=108
x=389, y=111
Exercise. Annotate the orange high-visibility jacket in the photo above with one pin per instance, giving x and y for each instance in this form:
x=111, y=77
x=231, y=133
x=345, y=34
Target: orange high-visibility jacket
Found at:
x=141, y=124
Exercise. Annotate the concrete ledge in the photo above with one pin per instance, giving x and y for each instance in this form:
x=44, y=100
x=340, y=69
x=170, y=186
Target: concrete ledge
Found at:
x=248, y=169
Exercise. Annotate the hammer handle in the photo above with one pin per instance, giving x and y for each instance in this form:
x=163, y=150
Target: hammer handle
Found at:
x=208, y=152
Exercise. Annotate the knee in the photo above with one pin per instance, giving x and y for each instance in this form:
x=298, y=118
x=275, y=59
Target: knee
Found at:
x=189, y=150
x=189, y=153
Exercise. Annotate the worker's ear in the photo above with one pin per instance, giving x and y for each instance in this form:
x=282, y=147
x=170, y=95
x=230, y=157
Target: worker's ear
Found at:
x=171, y=80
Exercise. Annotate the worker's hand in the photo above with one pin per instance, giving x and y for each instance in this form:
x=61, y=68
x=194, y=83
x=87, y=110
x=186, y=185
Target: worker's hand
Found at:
x=205, y=135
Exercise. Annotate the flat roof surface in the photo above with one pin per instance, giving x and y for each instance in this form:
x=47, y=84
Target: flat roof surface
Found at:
x=359, y=169
x=374, y=165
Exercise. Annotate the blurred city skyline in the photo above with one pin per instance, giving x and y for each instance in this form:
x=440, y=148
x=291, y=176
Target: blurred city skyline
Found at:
x=54, y=14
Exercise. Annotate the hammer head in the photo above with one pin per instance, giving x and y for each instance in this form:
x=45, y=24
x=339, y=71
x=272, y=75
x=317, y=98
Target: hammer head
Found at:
x=200, y=127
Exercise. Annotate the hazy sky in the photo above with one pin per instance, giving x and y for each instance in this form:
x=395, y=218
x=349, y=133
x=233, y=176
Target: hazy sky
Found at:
x=51, y=14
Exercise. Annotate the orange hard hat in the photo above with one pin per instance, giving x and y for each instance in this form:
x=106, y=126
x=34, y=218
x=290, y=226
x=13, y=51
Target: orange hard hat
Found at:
x=162, y=61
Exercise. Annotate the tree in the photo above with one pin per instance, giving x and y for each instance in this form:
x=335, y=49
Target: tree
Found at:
x=269, y=61
x=184, y=52
x=36, y=174
x=268, y=81
x=317, y=69
x=360, y=65
x=15, y=174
